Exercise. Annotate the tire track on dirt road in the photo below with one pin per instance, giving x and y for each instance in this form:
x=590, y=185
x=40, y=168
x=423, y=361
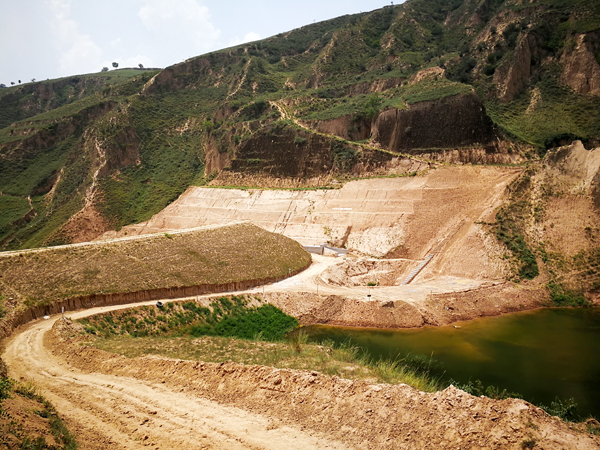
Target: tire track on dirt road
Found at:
x=126, y=413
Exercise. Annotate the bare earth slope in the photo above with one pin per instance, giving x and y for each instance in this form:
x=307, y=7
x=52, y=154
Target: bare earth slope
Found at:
x=401, y=217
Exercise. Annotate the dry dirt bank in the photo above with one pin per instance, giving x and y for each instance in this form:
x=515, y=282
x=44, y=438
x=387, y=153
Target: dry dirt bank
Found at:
x=434, y=309
x=406, y=216
x=353, y=414
x=111, y=401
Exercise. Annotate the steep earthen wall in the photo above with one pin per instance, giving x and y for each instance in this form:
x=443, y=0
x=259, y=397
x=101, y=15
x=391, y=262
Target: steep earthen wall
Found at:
x=455, y=121
x=581, y=71
x=13, y=320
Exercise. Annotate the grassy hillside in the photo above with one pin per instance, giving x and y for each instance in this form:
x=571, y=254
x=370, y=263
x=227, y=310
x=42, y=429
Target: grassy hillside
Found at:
x=20, y=102
x=101, y=151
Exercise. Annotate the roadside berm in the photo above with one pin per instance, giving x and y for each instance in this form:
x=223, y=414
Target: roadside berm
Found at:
x=350, y=414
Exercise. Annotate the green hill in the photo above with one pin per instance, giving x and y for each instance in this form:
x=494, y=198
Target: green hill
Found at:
x=85, y=154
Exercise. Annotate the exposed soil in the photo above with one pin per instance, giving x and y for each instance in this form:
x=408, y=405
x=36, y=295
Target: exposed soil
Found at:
x=22, y=420
x=399, y=217
x=161, y=403
x=213, y=255
x=408, y=306
x=149, y=401
x=380, y=272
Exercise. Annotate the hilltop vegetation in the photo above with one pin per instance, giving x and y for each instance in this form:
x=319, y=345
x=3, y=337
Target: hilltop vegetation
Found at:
x=85, y=154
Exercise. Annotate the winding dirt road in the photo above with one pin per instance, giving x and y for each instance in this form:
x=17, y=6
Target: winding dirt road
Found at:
x=119, y=412
x=117, y=403
x=128, y=413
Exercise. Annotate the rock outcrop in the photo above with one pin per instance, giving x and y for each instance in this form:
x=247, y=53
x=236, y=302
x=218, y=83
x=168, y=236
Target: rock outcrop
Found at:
x=512, y=76
x=581, y=70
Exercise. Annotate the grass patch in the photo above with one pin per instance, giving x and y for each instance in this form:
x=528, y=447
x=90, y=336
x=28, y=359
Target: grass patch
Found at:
x=477, y=389
x=232, y=329
x=563, y=409
x=560, y=111
x=11, y=209
x=428, y=90
x=226, y=316
x=14, y=433
x=266, y=321
x=6, y=385
x=510, y=225
x=333, y=103
x=562, y=296
x=342, y=360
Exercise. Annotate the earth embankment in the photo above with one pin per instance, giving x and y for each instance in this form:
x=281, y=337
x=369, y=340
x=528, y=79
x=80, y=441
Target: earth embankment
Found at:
x=153, y=401
x=213, y=259
x=404, y=217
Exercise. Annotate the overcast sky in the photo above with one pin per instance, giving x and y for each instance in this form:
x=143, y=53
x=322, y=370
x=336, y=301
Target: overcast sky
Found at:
x=55, y=38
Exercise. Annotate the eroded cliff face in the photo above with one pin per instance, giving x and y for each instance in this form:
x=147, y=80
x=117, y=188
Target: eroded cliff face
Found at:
x=291, y=153
x=351, y=127
x=455, y=121
x=274, y=152
x=581, y=70
x=215, y=159
x=41, y=139
x=512, y=75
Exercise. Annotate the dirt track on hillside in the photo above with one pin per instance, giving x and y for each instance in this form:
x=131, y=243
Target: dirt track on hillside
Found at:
x=125, y=412
x=113, y=402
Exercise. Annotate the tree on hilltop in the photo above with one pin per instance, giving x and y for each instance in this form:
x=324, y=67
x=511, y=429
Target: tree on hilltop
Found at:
x=115, y=65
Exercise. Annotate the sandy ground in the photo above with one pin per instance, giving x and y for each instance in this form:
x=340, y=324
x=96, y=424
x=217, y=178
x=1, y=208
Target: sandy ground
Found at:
x=110, y=401
x=128, y=413
x=114, y=402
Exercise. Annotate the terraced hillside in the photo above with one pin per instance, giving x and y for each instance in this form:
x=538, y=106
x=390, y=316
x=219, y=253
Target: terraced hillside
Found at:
x=404, y=217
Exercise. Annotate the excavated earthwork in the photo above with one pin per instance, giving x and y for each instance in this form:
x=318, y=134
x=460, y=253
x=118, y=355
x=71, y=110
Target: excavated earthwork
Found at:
x=163, y=403
x=157, y=402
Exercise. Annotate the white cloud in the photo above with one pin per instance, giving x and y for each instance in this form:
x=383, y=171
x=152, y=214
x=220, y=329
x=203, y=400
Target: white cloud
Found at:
x=77, y=52
x=180, y=23
x=249, y=37
x=115, y=42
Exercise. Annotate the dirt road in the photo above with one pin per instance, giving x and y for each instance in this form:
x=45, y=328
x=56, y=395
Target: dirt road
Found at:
x=151, y=402
x=128, y=413
x=120, y=412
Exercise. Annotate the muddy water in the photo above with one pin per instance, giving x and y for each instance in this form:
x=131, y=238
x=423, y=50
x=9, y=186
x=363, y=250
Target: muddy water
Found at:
x=540, y=354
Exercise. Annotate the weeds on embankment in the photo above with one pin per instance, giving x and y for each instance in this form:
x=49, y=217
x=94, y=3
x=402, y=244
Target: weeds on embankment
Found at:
x=564, y=409
x=230, y=329
x=21, y=431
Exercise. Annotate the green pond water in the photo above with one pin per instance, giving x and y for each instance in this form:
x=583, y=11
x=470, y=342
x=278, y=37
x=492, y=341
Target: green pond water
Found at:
x=540, y=354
